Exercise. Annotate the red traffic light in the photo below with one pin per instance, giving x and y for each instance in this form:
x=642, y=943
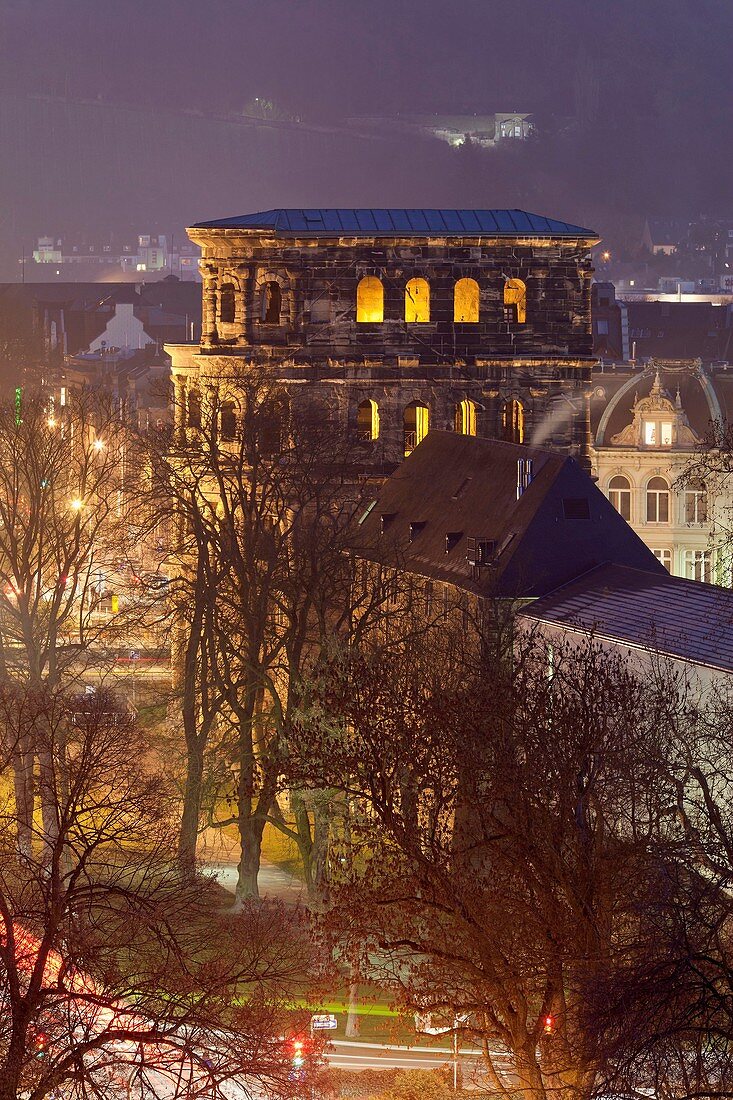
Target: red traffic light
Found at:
x=41, y=1042
x=548, y=1024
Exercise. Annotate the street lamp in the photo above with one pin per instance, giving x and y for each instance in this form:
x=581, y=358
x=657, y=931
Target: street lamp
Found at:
x=98, y=444
x=77, y=504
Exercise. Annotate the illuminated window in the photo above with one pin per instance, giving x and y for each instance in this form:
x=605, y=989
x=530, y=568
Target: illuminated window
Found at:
x=696, y=502
x=512, y=422
x=665, y=556
x=466, y=302
x=272, y=300
x=619, y=493
x=417, y=301
x=367, y=421
x=465, y=418
x=515, y=301
x=369, y=300
x=226, y=303
x=416, y=421
x=698, y=565
x=657, y=501
x=658, y=433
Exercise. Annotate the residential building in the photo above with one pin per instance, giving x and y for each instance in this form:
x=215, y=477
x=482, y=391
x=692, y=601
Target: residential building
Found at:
x=648, y=426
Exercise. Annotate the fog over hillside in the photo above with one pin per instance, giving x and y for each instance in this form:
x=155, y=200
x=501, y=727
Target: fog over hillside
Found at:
x=130, y=116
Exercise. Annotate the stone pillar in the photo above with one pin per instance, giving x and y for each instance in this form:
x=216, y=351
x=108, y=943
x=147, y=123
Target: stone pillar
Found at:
x=586, y=436
x=179, y=410
x=209, y=335
x=240, y=305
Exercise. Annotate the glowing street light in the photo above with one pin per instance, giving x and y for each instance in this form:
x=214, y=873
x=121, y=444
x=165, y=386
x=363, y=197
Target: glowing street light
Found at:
x=77, y=504
x=51, y=422
x=605, y=256
x=98, y=444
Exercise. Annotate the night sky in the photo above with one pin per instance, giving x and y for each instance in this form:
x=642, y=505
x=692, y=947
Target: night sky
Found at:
x=113, y=116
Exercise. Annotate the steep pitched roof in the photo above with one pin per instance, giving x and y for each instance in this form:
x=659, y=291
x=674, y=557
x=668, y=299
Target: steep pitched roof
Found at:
x=435, y=223
x=679, y=618
x=454, y=488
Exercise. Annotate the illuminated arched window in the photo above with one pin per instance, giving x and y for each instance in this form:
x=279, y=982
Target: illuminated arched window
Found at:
x=657, y=501
x=512, y=422
x=369, y=300
x=417, y=301
x=515, y=301
x=465, y=422
x=416, y=422
x=367, y=421
x=466, y=301
x=619, y=493
x=226, y=303
x=272, y=301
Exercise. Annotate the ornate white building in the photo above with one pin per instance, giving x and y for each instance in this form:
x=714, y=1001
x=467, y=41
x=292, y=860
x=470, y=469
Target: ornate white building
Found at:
x=648, y=426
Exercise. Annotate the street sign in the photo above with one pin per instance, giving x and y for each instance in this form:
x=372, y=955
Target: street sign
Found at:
x=134, y=654
x=324, y=1021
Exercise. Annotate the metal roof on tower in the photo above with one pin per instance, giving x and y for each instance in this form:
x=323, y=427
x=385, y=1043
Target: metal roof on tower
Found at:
x=438, y=223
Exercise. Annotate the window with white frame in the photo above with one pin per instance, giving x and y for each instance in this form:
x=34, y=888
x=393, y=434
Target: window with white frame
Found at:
x=619, y=493
x=657, y=501
x=658, y=433
x=698, y=565
x=695, y=502
x=665, y=556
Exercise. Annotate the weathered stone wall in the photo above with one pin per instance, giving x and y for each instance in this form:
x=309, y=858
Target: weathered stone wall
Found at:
x=543, y=363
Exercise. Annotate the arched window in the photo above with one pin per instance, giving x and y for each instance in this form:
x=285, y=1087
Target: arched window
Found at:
x=512, y=422
x=619, y=493
x=466, y=301
x=657, y=501
x=416, y=422
x=367, y=421
x=226, y=303
x=465, y=419
x=417, y=301
x=696, y=501
x=515, y=301
x=369, y=300
x=272, y=301
x=228, y=422
x=194, y=407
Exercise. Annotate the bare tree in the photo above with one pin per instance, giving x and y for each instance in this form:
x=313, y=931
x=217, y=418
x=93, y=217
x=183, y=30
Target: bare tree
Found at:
x=505, y=818
x=117, y=977
x=262, y=499
x=63, y=530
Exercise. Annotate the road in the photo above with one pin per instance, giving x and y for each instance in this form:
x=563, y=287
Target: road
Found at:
x=343, y=1054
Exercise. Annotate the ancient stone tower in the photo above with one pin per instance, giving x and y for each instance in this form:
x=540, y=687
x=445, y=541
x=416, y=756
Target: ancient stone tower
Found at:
x=398, y=321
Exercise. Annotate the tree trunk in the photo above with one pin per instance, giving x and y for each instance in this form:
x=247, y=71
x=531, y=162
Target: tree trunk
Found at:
x=23, y=791
x=191, y=813
x=250, y=837
x=352, y=1015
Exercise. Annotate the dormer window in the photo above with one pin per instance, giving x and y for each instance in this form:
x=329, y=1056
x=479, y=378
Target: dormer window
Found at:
x=657, y=433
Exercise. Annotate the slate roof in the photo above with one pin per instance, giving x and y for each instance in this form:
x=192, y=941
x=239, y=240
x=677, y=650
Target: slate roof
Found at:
x=685, y=619
x=467, y=487
x=437, y=223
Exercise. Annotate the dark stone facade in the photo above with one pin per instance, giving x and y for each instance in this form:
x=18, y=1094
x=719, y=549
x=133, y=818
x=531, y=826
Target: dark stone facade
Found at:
x=287, y=300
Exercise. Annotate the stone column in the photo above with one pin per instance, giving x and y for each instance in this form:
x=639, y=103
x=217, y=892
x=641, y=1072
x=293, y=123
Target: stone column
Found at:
x=179, y=410
x=240, y=305
x=209, y=336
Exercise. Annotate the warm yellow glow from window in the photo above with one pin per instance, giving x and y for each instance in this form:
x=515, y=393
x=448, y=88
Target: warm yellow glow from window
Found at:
x=466, y=417
x=466, y=303
x=370, y=300
x=512, y=422
x=417, y=301
x=368, y=421
x=515, y=300
x=416, y=423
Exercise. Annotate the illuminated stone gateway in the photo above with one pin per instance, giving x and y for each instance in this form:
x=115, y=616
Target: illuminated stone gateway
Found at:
x=402, y=321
